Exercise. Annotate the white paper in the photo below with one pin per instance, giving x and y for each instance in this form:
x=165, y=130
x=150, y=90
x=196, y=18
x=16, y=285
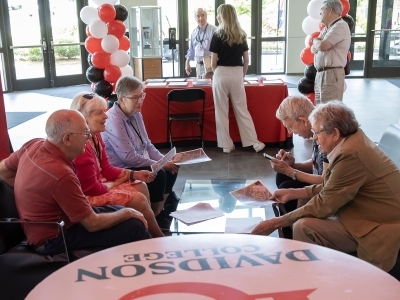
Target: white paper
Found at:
x=157, y=84
x=191, y=157
x=178, y=83
x=175, y=79
x=255, y=194
x=197, y=213
x=167, y=157
x=241, y=225
x=251, y=82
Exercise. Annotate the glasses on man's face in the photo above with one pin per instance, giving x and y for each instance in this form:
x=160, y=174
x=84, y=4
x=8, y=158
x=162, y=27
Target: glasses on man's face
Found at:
x=87, y=134
x=136, y=97
x=317, y=133
x=88, y=96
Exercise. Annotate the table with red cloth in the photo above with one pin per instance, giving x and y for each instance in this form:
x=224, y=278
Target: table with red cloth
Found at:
x=262, y=102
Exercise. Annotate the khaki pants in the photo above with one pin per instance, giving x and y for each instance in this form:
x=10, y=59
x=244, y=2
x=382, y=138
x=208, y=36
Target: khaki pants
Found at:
x=228, y=83
x=329, y=233
x=329, y=85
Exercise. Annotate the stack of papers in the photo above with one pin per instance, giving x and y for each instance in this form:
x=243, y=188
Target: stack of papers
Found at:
x=176, y=79
x=155, y=80
x=272, y=81
x=251, y=82
x=178, y=83
x=157, y=84
x=195, y=83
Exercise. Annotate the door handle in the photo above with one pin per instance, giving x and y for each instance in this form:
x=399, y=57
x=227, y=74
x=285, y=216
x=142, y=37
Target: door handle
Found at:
x=251, y=37
x=44, y=45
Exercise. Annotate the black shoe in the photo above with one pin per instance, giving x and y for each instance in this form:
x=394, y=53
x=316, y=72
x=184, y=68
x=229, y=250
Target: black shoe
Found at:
x=164, y=220
x=171, y=203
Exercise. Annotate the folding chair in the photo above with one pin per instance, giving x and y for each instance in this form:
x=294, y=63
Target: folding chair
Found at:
x=184, y=97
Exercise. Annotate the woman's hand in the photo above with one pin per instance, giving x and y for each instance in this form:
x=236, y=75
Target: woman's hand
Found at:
x=144, y=175
x=171, y=167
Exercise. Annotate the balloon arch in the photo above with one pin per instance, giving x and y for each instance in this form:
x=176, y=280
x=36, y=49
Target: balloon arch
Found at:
x=107, y=45
x=312, y=26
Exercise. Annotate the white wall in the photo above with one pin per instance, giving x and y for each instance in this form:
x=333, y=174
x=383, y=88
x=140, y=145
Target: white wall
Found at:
x=130, y=3
x=296, y=13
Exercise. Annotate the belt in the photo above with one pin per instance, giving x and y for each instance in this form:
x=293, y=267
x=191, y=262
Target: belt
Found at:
x=328, y=68
x=200, y=62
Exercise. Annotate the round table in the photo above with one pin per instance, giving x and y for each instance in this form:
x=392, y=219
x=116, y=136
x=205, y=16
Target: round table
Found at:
x=218, y=266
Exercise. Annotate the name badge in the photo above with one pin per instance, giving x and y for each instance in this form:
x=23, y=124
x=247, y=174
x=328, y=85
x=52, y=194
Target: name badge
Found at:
x=199, y=51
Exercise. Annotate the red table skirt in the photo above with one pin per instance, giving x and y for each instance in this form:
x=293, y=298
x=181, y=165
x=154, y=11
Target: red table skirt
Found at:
x=262, y=102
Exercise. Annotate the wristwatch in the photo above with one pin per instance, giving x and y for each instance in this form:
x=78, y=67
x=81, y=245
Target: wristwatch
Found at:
x=294, y=177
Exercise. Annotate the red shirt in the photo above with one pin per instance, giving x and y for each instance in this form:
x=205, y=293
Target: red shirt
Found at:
x=46, y=189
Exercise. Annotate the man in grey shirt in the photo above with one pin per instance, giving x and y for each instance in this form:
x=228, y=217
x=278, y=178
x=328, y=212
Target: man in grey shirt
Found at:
x=200, y=43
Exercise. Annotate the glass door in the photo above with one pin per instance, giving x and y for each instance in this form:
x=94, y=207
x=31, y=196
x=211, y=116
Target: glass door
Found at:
x=384, y=55
x=44, y=43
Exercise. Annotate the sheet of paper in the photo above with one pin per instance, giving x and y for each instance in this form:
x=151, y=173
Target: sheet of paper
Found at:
x=176, y=79
x=191, y=157
x=251, y=82
x=255, y=194
x=241, y=225
x=155, y=80
x=173, y=83
x=197, y=213
x=167, y=157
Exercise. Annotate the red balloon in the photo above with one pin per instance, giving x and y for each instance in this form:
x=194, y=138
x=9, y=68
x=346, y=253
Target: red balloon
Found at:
x=106, y=12
x=310, y=37
x=116, y=27
x=311, y=96
x=124, y=43
x=346, y=7
x=101, y=59
x=87, y=31
x=321, y=26
x=112, y=73
x=93, y=45
x=306, y=56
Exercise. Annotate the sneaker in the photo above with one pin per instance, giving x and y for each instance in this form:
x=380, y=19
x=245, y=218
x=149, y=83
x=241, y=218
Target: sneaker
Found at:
x=229, y=149
x=164, y=220
x=258, y=146
x=171, y=203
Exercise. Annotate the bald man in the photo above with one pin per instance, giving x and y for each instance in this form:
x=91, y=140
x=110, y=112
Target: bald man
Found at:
x=47, y=189
x=199, y=44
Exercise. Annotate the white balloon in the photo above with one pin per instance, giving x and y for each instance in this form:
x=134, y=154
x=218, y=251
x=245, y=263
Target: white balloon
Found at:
x=89, y=14
x=101, y=2
x=120, y=58
x=314, y=9
x=98, y=29
x=126, y=71
x=310, y=25
x=110, y=43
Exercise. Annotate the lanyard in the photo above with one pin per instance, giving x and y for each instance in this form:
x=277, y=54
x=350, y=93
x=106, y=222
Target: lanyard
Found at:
x=198, y=34
x=96, y=148
x=137, y=131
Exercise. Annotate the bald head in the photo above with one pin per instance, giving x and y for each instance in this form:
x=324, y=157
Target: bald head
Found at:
x=63, y=121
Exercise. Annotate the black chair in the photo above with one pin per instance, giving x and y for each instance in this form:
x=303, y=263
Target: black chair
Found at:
x=21, y=267
x=186, y=97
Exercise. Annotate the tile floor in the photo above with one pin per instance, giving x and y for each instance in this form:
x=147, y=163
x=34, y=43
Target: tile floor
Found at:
x=376, y=103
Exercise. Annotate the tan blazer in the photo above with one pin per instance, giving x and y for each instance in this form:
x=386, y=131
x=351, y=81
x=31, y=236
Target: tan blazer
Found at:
x=362, y=186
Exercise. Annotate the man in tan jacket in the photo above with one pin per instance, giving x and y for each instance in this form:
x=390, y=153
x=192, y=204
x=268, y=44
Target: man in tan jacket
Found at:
x=357, y=207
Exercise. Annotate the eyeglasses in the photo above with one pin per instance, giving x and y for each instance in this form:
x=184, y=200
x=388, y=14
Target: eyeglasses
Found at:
x=317, y=133
x=88, y=96
x=136, y=98
x=87, y=135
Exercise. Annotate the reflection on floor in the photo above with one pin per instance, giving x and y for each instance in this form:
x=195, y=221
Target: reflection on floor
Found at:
x=376, y=103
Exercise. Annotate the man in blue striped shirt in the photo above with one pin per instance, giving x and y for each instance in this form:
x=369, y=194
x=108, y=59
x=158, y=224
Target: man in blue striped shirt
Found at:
x=199, y=44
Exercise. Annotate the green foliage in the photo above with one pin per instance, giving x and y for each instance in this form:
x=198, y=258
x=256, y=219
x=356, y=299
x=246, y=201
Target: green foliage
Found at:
x=31, y=54
x=66, y=52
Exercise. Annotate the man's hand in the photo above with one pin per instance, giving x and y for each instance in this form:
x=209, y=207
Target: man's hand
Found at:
x=144, y=175
x=188, y=69
x=137, y=215
x=171, y=167
x=268, y=226
x=281, y=166
x=286, y=157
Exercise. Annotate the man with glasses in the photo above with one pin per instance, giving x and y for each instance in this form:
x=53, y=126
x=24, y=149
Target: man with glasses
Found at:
x=293, y=112
x=47, y=189
x=128, y=146
x=330, y=50
x=199, y=44
x=357, y=207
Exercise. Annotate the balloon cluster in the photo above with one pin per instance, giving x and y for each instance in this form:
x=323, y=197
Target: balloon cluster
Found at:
x=107, y=45
x=312, y=26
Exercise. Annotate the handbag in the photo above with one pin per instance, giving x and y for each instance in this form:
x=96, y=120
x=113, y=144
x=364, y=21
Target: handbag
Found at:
x=207, y=64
